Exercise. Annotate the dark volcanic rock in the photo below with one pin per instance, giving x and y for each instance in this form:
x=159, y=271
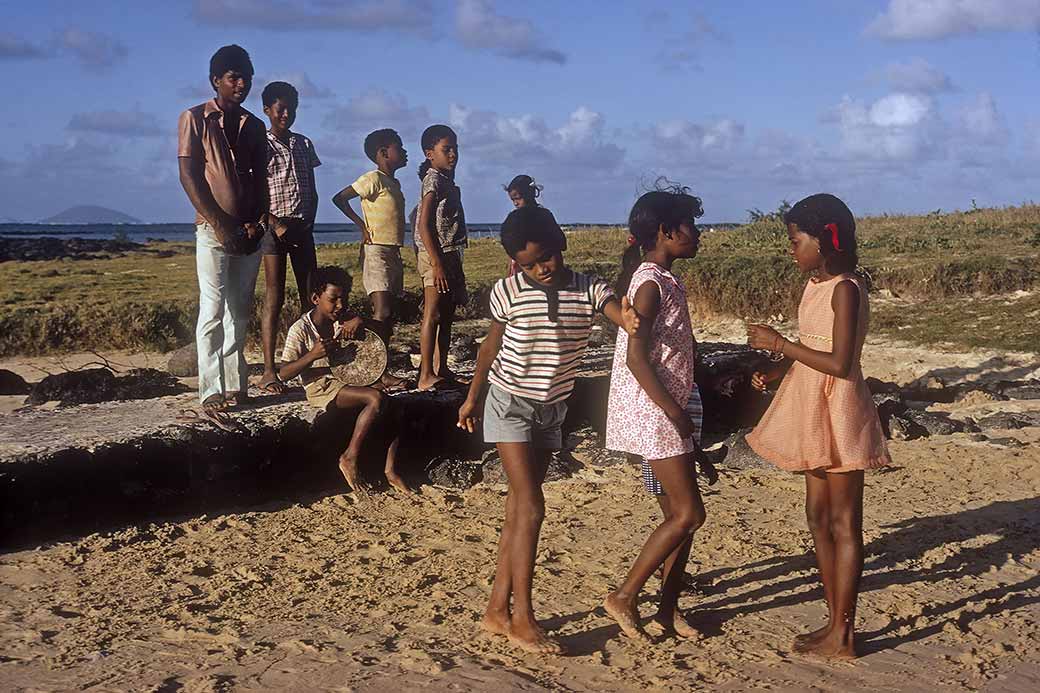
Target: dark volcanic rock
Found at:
x=881, y=386
x=562, y=465
x=1007, y=442
x=740, y=454
x=463, y=348
x=49, y=248
x=12, y=384
x=94, y=385
x=902, y=428
x=724, y=378
x=935, y=423
x=450, y=471
x=1009, y=420
x=1027, y=389
x=184, y=362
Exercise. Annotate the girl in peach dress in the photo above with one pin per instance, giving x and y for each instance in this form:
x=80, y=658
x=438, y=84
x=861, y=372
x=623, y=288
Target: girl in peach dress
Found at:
x=822, y=422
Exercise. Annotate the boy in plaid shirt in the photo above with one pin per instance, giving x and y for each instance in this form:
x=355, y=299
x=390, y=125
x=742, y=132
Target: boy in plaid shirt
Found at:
x=291, y=161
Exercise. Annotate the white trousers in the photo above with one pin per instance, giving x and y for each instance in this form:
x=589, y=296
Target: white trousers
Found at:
x=226, y=287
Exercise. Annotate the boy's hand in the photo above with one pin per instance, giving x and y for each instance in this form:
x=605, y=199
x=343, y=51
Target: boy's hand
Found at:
x=629, y=316
x=320, y=350
x=280, y=227
x=253, y=230
x=366, y=237
x=440, y=279
x=350, y=328
x=764, y=337
x=468, y=416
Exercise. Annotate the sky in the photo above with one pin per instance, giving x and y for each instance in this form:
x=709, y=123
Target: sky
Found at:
x=894, y=105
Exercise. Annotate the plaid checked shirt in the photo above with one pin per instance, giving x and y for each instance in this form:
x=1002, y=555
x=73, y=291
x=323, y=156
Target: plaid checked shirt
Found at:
x=290, y=177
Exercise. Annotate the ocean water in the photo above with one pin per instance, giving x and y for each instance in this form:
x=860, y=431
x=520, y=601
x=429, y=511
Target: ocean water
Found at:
x=142, y=233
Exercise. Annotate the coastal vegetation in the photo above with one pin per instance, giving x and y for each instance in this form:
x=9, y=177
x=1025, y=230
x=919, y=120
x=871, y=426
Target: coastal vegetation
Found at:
x=963, y=278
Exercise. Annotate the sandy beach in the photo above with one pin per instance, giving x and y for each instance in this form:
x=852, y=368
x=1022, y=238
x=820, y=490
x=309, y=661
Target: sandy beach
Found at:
x=328, y=593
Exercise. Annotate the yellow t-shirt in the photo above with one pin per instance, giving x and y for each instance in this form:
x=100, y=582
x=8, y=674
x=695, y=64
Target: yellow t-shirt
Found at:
x=382, y=204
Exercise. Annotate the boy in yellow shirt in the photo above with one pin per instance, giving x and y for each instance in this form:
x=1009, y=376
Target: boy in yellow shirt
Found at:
x=382, y=228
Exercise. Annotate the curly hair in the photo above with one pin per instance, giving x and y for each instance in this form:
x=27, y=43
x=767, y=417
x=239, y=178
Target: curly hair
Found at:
x=669, y=205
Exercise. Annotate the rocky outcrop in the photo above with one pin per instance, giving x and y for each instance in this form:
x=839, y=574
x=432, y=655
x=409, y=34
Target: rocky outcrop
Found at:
x=50, y=248
x=94, y=385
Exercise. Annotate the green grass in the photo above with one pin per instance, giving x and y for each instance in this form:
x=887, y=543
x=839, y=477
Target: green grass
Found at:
x=148, y=300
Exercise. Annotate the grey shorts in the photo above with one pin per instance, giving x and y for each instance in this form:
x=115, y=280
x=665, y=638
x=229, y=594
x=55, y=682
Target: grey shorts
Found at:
x=512, y=419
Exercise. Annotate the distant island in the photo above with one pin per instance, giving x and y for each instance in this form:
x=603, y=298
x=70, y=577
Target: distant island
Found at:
x=89, y=214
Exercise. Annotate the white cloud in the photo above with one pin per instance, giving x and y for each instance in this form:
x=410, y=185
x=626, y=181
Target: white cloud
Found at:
x=480, y=27
x=936, y=19
x=694, y=139
x=898, y=126
x=303, y=83
x=917, y=75
x=682, y=40
x=980, y=122
x=95, y=50
x=306, y=15
x=375, y=108
x=13, y=47
x=118, y=123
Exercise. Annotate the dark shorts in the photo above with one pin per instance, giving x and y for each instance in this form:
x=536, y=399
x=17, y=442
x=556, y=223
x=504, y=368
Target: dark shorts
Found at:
x=300, y=239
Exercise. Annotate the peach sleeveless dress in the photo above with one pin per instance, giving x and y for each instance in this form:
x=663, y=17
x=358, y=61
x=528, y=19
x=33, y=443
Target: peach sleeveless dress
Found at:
x=818, y=421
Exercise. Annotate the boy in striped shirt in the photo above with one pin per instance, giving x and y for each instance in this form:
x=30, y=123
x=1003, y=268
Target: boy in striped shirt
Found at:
x=541, y=321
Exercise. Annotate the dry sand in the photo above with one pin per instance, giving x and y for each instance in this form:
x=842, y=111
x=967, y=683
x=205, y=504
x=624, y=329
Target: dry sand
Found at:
x=326, y=593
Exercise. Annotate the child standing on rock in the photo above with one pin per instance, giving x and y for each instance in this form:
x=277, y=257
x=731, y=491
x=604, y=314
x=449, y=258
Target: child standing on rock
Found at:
x=822, y=422
x=541, y=322
x=654, y=410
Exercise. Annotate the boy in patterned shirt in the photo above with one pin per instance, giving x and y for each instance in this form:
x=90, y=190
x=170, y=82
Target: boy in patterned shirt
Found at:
x=541, y=319
x=382, y=229
x=291, y=161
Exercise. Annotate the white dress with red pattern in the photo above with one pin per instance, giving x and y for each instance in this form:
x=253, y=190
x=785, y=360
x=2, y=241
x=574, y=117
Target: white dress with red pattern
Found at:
x=635, y=424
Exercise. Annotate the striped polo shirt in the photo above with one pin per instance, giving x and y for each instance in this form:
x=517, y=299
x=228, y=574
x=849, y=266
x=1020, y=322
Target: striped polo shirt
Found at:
x=539, y=357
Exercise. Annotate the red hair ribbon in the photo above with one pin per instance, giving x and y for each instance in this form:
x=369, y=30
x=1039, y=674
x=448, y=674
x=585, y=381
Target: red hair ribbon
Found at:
x=631, y=239
x=833, y=228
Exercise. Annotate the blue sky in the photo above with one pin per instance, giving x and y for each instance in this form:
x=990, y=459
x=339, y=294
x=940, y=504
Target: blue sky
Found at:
x=895, y=105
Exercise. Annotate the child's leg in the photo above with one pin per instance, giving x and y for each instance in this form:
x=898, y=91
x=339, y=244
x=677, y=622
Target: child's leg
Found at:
x=274, y=296
x=680, y=483
x=447, y=319
x=846, y=526
x=304, y=261
x=525, y=469
x=390, y=469
x=673, y=570
x=372, y=403
x=817, y=515
x=428, y=378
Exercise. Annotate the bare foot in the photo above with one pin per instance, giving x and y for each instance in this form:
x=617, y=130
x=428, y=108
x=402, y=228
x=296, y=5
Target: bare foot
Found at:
x=626, y=615
x=431, y=383
x=348, y=466
x=495, y=622
x=529, y=637
x=807, y=638
x=397, y=482
x=836, y=643
x=676, y=625
x=391, y=383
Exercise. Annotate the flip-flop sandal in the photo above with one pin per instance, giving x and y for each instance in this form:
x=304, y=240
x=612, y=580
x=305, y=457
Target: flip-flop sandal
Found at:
x=211, y=416
x=217, y=403
x=273, y=387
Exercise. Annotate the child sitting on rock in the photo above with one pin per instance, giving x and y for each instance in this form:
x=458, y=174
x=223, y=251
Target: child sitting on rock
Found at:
x=305, y=354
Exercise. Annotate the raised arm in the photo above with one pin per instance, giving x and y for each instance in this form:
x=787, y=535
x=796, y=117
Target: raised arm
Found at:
x=837, y=362
x=469, y=412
